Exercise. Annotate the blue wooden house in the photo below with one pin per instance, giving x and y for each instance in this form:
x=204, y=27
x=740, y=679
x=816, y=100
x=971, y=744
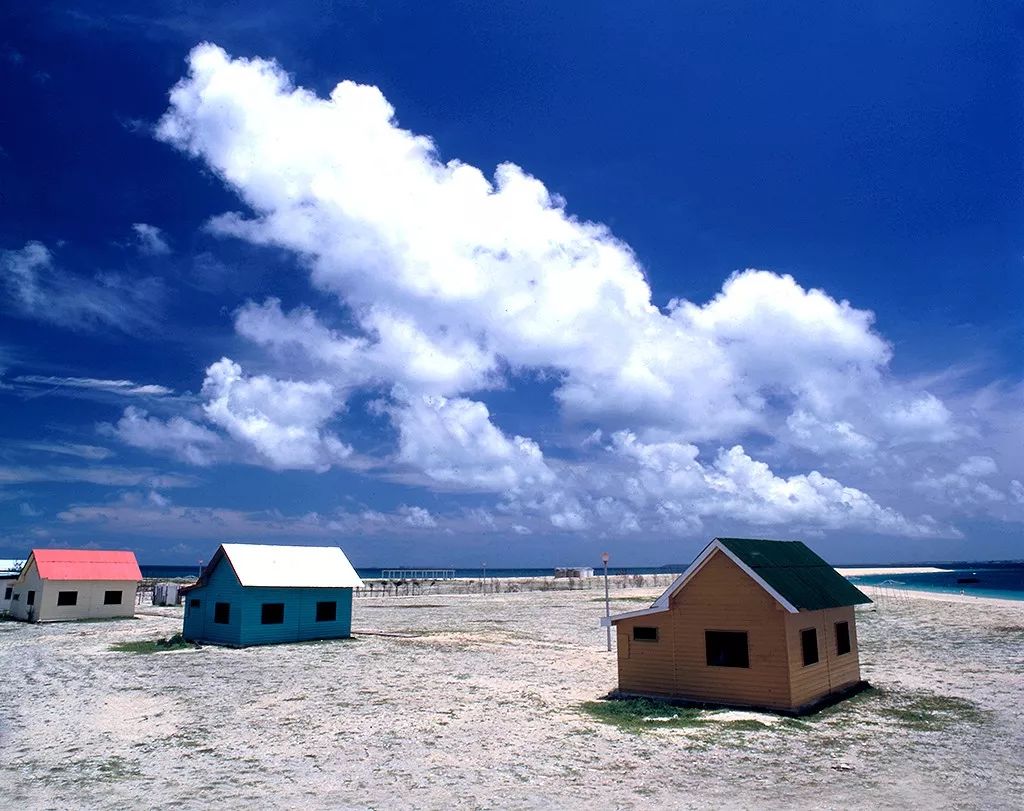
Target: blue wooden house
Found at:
x=254, y=594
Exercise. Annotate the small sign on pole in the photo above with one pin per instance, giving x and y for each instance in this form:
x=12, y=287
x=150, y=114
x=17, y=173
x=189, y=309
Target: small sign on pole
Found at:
x=607, y=601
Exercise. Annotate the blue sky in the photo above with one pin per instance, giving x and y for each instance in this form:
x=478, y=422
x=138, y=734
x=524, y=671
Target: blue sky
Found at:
x=510, y=282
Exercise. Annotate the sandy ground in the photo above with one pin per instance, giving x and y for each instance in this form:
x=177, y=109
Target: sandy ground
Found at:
x=864, y=571
x=475, y=703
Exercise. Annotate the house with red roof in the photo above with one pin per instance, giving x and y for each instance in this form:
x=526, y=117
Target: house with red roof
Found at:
x=73, y=584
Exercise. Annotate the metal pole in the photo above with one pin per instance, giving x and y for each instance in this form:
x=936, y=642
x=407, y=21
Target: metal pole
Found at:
x=607, y=602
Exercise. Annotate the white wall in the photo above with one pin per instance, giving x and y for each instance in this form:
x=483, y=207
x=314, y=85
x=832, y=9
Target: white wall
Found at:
x=5, y=603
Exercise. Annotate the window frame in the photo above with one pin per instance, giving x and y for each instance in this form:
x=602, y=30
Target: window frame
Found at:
x=66, y=599
x=843, y=637
x=222, y=613
x=645, y=628
x=8, y=592
x=274, y=618
x=804, y=647
x=118, y=592
x=321, y=607
x=745, y=659
x=194, y=602
x=30, y=597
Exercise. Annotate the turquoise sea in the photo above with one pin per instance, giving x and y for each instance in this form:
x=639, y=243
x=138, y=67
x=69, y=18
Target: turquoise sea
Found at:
x=1004, y=579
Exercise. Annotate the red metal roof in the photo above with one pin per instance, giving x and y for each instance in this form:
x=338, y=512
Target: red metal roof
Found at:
x=86, y=564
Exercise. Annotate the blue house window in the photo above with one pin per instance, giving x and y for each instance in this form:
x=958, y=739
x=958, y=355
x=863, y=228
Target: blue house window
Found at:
x=193, y=603
x=272, y=614
x=222, y=613
x=327, y=611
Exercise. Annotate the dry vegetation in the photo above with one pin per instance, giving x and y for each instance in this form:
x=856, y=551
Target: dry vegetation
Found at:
x=491, y=701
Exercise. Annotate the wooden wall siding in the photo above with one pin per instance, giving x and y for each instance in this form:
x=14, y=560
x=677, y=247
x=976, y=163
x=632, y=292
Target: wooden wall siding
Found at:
x=246, y=627
x=299, y=615
x=832, y=671
x=222, y=587
x=646, y=667
x=720, y=597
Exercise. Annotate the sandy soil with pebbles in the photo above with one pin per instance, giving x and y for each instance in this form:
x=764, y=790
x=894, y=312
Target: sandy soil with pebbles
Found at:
x=475, y=702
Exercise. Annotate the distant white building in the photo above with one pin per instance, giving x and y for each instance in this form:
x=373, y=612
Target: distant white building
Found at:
x=574, y=571
x=9, y=571
x=74, y=584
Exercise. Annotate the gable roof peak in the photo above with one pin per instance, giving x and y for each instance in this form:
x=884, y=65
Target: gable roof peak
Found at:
x=272, y=566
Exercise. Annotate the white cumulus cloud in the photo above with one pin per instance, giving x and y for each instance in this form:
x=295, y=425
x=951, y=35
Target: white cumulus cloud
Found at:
x=178, y=436
x=282, y=420
x=451, y=283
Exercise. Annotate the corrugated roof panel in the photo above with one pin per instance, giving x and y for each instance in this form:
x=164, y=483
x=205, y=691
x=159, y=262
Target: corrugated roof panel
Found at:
x=791, y=568
x=291, y=566
x=86, y=564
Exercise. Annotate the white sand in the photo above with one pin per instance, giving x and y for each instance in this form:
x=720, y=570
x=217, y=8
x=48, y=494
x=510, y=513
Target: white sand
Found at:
x=477, y=705
x=897, y=595
x=882, y=570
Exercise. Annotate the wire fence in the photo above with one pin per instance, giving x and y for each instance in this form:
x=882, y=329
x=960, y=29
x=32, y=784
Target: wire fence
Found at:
x=405, y=587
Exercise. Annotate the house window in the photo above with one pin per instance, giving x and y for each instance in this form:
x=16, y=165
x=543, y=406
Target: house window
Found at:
x=222, y=613
x=16, y=597
x=645, y=634
x=327, y=612
x=727, y=648
x=809, y=643
x=112, y=598
x=7, y=593
x=842, y=638
x=63, y=597
x=31, y=598
x=193, y=603
x=272, y=614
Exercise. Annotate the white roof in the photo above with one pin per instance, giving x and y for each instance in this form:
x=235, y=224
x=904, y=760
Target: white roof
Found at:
x=291, y=566
x=11, y=566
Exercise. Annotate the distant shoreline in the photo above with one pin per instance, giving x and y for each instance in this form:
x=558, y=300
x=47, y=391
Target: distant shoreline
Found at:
x=858, y=571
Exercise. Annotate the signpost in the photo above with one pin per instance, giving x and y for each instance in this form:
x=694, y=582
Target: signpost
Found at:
x=607, y=602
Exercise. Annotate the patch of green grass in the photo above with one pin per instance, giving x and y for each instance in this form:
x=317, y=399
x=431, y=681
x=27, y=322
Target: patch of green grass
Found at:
x=915, y=709
x=176, y=642
x=745, y=725
x=638, y=715
x=930, y=712
x=633, y=598
x=847, y=709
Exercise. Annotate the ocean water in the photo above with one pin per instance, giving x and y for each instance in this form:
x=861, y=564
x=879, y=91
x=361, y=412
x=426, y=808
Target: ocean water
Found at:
x=1003, y=580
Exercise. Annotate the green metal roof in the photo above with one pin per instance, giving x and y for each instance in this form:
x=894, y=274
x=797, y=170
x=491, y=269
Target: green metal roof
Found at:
x=802, y=578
